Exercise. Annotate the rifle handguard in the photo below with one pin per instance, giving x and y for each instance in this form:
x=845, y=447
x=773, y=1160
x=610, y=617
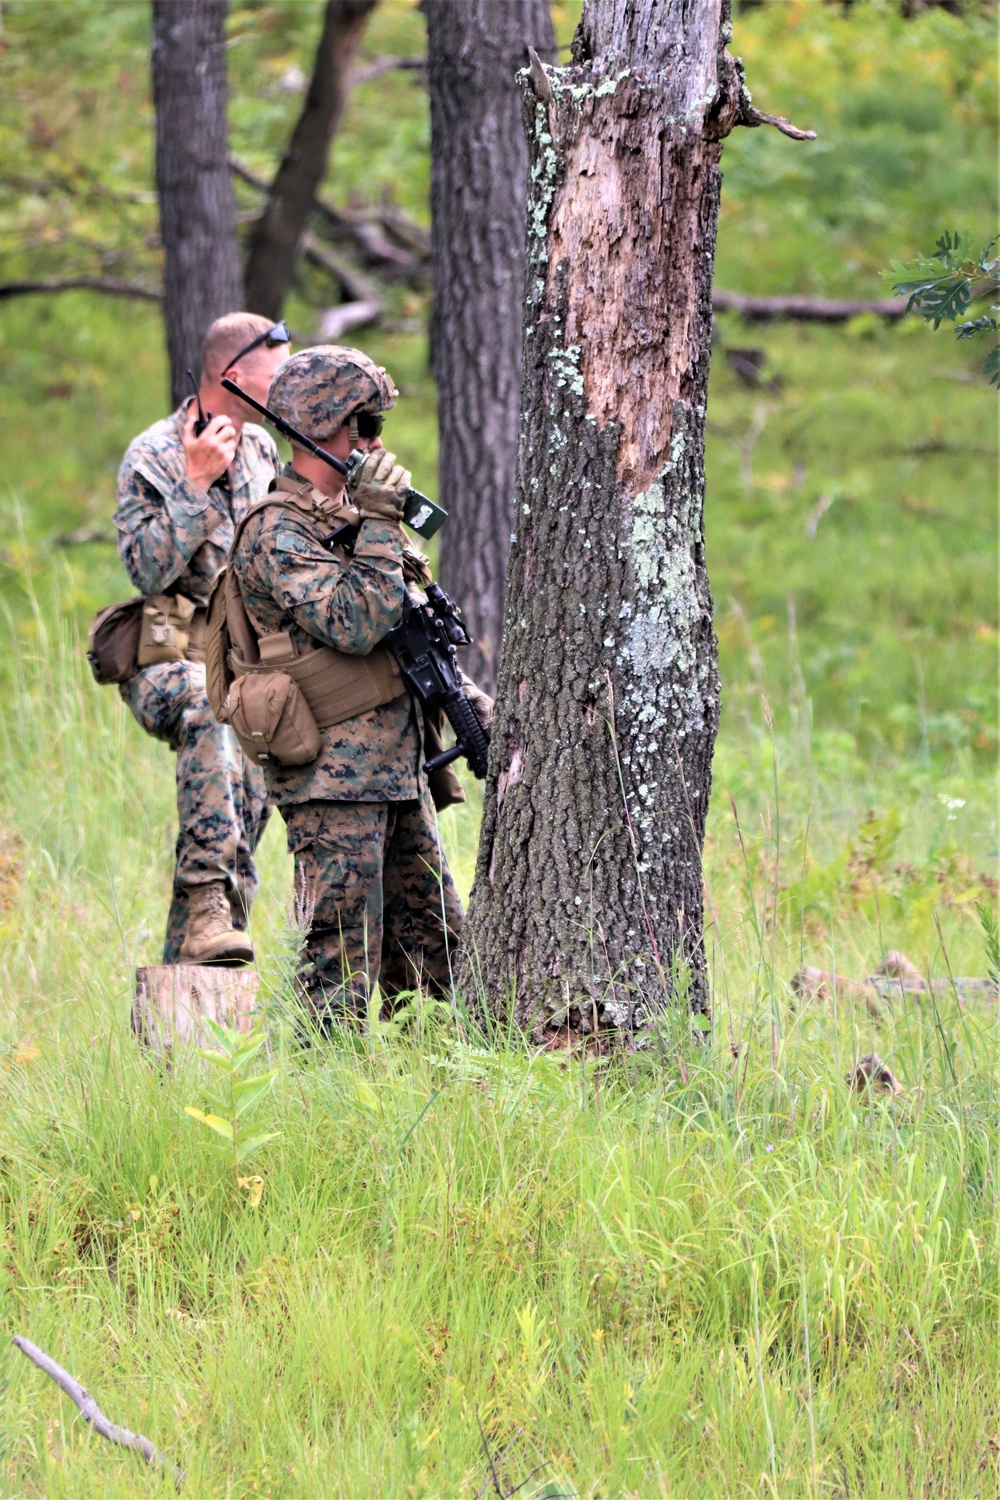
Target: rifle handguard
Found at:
x=470, y=737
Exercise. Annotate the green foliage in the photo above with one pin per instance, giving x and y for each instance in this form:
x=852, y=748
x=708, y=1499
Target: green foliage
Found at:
x=948, y=282
x=906, y=116
x=991, y=933
x=240, y=1096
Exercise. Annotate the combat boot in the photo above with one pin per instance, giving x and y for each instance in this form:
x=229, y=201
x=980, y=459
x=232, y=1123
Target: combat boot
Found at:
x=211, y=937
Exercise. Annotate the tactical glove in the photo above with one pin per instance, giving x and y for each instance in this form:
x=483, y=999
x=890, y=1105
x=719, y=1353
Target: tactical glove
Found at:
x=482, y=705
x=379, y=487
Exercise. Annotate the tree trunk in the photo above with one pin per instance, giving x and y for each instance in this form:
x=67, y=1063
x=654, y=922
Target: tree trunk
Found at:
x=275, y=240
x=172, y=1000
x=201, y=274
x=587, y=905
x=479, y=179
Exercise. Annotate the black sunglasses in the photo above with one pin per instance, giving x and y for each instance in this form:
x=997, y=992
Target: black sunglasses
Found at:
x=370, y=423
x=278, y=334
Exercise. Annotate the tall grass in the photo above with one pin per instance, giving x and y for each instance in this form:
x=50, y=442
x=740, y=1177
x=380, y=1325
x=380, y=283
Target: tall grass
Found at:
x=712, y=1270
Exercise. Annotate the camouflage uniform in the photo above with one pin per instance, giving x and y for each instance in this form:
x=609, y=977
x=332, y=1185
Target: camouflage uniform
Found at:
x=360, y=818
x=173, y=537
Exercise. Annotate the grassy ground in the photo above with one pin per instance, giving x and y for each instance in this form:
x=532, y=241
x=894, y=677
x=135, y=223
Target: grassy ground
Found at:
x=711, y=1270
x=694, y=1273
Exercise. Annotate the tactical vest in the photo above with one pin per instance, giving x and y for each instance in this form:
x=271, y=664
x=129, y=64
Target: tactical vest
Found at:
x=335, y=685
x=273, y=682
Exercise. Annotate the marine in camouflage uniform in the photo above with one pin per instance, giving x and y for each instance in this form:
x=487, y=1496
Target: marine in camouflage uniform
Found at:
x=174, y=537
x=360, y=819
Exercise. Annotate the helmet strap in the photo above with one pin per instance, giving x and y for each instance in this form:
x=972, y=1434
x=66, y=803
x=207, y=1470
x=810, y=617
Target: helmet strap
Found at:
x=352, y=427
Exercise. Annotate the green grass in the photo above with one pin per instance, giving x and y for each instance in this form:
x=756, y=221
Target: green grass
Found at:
x=614, y=1267
x=602, y=1263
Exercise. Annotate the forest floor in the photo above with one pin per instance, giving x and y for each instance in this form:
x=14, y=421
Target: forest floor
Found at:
x=707, y=1269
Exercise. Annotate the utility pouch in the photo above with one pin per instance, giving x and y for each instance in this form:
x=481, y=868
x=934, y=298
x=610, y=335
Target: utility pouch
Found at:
x=113, y=641
x=217, y=647
x=166, y=627
x=272, y=720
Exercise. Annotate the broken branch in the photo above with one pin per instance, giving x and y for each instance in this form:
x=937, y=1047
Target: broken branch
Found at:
x=110, y=285
x=803, y=309
x=91, y=1412
x=753, y=117
x=356, y=286
x=362, y=226
x=386, y=64
x=336, y=321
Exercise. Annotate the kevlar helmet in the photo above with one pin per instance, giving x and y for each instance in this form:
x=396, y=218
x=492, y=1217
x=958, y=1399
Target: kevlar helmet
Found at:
x=318, y=389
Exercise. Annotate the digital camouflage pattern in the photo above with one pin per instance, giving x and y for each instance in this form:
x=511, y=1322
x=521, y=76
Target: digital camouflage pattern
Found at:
x=173, y=537
x=221, y=798
x=317, y=389
x=290, y=581
x=386, y=910
x=360, y=819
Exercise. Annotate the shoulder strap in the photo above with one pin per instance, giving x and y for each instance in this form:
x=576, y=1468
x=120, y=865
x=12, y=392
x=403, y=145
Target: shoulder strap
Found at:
x=285, y=494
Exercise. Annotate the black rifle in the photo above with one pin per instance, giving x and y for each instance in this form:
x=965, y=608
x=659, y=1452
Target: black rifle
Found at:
x=420, y=513
x=424, y=644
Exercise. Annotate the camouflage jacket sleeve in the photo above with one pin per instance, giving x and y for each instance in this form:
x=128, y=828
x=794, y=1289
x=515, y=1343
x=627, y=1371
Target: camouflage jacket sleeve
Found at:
x=158, y=533
x=350, y=604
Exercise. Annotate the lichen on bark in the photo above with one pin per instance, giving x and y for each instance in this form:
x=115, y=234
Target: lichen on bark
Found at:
x=587, y=904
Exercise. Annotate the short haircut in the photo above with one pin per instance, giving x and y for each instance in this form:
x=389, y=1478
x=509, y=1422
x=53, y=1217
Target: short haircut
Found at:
x=226, y=337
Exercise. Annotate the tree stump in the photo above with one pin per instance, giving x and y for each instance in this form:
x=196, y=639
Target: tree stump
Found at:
x=172, y=1001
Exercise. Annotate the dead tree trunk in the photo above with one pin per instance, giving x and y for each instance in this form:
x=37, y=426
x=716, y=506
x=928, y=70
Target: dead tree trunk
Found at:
x=587, y=905
x=275, y=240
x=201, y=273
x=479, y=179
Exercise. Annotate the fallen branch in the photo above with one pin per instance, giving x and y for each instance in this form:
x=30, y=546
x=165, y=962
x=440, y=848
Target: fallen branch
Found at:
x=804, y=309
x=84, y=536
x=386, y=64
x=361, y=226
x=111, y=286
x=91, y=1412
x=336, y=321
x=871, y=1073
x=356, y=285
x=894, y=978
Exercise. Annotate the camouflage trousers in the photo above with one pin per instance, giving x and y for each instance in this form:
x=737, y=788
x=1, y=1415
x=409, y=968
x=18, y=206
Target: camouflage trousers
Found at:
x=222, y=802
x=384, y=905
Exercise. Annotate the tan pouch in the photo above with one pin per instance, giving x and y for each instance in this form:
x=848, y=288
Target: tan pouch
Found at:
x=340, y=687
x=166, y=624
x=217, y=646
x=272, y=720
x=113, y=641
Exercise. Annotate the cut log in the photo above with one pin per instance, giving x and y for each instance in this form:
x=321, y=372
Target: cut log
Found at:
x=805, y=309
x=172, y=1001
x=817, y=984
x=893, y=979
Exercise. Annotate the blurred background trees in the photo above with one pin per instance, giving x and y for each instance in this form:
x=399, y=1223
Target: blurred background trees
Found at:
x=202, y=276
x=479, y=180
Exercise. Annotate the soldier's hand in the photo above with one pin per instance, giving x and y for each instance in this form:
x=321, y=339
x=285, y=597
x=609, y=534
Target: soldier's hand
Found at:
x=482, y=705
x=208, y=456
x=379, y=487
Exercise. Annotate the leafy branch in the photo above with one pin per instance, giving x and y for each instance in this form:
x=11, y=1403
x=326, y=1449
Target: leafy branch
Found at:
x=943, y=286
x=241, y=1094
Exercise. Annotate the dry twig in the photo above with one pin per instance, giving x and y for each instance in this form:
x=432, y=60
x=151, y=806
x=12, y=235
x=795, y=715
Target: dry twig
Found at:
x=91, y=1412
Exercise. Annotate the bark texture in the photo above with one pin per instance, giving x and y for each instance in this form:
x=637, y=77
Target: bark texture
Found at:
x=587, y=905
x=172, y=1000
x=201, y=272
x=479, y=178
x=277, y=234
